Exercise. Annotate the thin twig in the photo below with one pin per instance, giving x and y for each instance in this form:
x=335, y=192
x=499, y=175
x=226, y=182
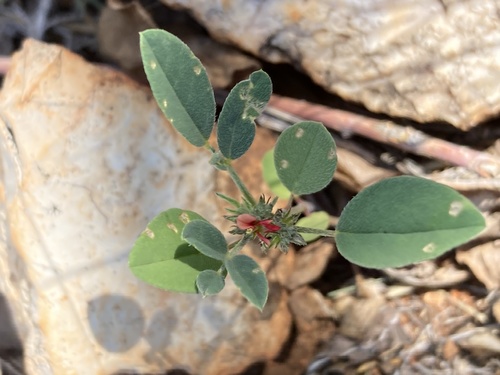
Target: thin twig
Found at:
x=402, y=137
x=40, y=18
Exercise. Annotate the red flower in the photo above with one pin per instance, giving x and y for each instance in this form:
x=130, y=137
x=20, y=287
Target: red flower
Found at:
x=246, y=221
x=259, y=227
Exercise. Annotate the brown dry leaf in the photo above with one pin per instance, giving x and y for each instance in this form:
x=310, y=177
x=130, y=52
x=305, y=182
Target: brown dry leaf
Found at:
x=356, y=173
x=118, y=33
x=312, y=314
x=410, y=335
x=310, y=263
x=428, y=274
x=481, y=343
x=484, y=262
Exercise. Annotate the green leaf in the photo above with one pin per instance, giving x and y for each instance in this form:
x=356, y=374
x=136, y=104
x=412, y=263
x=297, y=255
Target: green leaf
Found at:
x=305, y=157
x=180, y=84
x=316, y=220
x=245, y=102
x=404, y=220
x=229, y=200
x=249, y=278
x=209, y=283
x=161, y=258
x=271, y=176
x=206, y=238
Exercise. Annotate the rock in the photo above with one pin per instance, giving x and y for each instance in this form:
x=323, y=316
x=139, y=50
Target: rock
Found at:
x=426, y=60
x=87, y=161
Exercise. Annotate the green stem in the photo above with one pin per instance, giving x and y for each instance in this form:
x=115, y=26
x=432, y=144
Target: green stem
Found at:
x=209, y=148
x=233, y=244
x=241, y=186
x=234, y=249
x=321, y=232
x=238, y=246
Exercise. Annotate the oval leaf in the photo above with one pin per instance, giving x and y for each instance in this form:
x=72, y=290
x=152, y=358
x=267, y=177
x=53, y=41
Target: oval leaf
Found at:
x=404, y=220
x=316, y=220
x=271, y=176
x=245, y=102
x=209, y=283
x=305, y=157
x=206, y=238
x=161, y=258
x=180, y=84
x=249, y=278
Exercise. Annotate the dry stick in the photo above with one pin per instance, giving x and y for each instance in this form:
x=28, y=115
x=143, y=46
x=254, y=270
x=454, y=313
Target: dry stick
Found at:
x=402, y=137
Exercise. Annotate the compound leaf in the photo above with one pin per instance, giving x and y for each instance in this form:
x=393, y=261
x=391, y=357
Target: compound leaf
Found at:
x=163, y=259
x=206, y=238
x=245, y=102
x=209, y=283
x=249, y=278
x=180, y=84
x=305, y=157
x=404, y=220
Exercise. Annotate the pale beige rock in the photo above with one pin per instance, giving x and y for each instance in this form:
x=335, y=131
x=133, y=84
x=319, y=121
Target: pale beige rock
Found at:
x=87, y=161
x=427, y=60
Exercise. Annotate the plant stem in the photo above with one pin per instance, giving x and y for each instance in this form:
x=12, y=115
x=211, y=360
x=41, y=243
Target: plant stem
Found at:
x=324, y=233
x=239, y=245
x=241, y=186
x=209, y=148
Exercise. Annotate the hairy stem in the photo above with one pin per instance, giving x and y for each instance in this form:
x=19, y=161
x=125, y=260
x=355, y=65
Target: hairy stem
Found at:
x=239, y=245
x=324, y=233
x=241, y=186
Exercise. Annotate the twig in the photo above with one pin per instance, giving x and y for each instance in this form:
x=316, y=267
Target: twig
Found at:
x=403, y=137
x=40, y=17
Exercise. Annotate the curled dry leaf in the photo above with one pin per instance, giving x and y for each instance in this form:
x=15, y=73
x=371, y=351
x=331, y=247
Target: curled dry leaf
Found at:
x=427, y=274
x=484, y=262
x=310, y=263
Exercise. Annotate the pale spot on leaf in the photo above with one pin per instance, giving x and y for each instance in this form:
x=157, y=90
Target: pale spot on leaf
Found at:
x=299, y=133
x=184, y=218
x=284, y=164
x=455, y=208
x=429, y=248
x=256, y=270
x=331, y=154
x=164, y=103
x=152, y=64
x=148, y=232
x=172, y=227
x=197, y=70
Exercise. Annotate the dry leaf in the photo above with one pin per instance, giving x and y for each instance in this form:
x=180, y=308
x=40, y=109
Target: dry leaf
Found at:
x=484, y=262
